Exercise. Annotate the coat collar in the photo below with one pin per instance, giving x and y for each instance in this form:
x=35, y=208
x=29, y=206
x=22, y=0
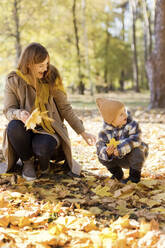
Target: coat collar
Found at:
x=24, y=77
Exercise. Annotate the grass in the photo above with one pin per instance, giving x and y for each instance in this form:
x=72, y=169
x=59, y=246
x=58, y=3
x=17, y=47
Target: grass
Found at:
x=130, y=98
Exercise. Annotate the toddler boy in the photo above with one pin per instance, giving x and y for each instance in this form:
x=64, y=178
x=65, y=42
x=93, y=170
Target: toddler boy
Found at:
x=119, y=144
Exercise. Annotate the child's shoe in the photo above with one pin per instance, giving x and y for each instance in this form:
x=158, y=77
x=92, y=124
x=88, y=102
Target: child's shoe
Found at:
x=134, y=176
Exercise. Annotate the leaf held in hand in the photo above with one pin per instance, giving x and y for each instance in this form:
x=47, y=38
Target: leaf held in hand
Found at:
x=113, y=142
x=35, y=119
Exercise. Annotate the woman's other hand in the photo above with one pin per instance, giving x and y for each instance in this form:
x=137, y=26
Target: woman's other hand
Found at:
x=24, y=115
x=89, y=138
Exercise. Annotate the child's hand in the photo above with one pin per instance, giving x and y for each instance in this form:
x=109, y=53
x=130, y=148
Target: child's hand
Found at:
x=110, y=150
x=116, y=153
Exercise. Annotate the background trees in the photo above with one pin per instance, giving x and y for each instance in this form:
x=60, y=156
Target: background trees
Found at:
x=156, y=62
x=101, y=44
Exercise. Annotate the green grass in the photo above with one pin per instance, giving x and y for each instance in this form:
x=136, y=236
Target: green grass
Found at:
x=130, y=98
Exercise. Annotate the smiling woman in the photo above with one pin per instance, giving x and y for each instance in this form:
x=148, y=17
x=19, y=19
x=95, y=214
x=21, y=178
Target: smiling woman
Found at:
x=41, y=68
x=37, y=84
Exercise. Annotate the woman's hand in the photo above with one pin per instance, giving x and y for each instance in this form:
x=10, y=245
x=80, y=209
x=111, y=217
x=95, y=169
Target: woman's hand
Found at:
x=24, y=115
x=110, y=150
x=89, y=138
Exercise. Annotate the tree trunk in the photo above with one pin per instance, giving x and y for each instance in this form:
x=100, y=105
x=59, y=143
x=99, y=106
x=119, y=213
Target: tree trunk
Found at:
x=122, y=75
x=147, y=30
x=17, y=29
x=106, y=51
x=81, y=86
x=156, y=64
x=135, y=58
x=150, y=68
x=150, y=33
x=121, y=81
x=83, y=2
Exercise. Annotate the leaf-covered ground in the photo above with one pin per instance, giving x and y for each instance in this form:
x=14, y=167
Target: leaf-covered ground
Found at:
x=92, y=211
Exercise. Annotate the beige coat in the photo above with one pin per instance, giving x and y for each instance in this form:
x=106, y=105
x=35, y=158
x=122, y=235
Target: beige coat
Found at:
x=21, y=96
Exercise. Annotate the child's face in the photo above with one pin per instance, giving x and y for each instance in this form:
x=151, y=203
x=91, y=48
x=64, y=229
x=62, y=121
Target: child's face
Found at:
x=121, y=118
x=40, y=68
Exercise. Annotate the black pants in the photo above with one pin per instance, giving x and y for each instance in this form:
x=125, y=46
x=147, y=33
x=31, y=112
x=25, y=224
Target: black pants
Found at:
x=27, y=144
x=134, y=160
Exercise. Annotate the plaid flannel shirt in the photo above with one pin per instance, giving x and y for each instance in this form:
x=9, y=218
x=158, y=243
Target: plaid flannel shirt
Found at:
x=128, y=137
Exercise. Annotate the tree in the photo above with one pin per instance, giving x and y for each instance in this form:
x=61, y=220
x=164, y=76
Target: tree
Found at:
x=11, y=26
x=133, y=8
x=123, y=6
x=107, y=42
x=83, y=2
x=16, y=28
x=81, y=86
x=156, y=64
x=147, y=30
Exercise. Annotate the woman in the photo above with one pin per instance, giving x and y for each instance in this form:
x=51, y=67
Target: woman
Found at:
x=37, y=84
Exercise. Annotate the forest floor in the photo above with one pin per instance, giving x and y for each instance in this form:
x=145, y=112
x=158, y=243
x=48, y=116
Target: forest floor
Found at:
x=92, y=211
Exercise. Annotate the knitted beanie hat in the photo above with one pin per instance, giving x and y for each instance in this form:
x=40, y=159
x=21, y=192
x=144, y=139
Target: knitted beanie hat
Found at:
x=108, y=108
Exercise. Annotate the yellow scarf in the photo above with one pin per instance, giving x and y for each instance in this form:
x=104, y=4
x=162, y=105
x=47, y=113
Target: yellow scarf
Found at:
x=42, y=96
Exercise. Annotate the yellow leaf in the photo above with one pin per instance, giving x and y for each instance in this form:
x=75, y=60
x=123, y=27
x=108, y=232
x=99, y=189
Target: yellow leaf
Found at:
x=42, y=237
x=102, y=191
x=4, y=220
x=125, y=191
x=77, y=205
x=56, y=229
x=149, y=202
x=161, y=210
x=113, y=142
x=160, y=197
x=40, y=220
x=33, y=120
x=144, y=228
x=107, y=233
x=58, y=206
x=24, y=221
x=121, y=222
x=90, y=226
x=75, y=200
x=95, y=210
x=123, y=210
x=83, y=212
x=3, y=202
x=148, y=183
x=90, y=180
x=67, y=181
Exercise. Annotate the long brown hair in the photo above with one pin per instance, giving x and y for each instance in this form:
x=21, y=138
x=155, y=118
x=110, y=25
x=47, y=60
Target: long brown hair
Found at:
x=34, y=53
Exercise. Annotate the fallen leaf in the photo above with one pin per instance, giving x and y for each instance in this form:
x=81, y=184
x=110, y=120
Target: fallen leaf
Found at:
x=102, y=191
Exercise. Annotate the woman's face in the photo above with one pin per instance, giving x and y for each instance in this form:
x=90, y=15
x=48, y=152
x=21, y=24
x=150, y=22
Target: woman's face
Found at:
x=39, y=69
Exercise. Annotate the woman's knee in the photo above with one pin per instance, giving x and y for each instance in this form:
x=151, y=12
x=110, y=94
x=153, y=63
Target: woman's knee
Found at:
x=15, y=127
x=44, y=145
